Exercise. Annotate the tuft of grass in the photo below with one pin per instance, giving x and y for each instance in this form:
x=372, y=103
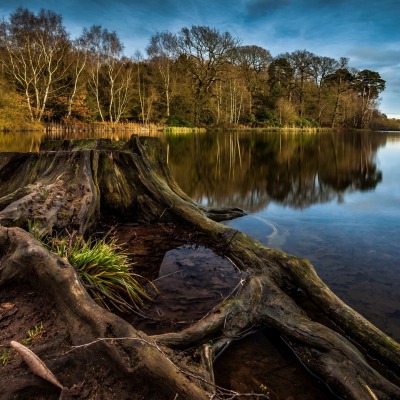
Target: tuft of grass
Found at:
x=5, y=357
x=36, y=230
x=34, y=333
x=105, y=270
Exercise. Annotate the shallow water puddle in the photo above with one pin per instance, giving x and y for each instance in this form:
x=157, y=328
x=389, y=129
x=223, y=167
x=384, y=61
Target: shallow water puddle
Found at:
x=262, y=363
x=191, y=281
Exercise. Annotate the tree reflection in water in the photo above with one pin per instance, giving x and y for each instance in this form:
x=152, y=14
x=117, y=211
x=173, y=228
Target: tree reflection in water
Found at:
x=249, y=170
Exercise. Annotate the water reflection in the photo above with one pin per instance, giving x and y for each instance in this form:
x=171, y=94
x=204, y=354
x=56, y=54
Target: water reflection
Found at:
x=20, y=141
x=30, y=141
x=192, y=280
x=251, y=170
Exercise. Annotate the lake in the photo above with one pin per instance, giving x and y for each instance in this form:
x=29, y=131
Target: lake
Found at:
x=331, y=197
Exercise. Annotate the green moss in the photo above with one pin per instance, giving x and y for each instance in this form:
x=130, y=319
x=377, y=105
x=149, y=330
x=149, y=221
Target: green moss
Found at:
x=64, y=215
x=82, y=144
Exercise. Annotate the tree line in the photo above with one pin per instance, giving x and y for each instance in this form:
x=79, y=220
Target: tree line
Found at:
x=198, y=76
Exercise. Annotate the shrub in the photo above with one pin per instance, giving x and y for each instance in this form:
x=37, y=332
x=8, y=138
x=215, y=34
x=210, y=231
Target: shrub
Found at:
x=176, y=120
x=306, y=123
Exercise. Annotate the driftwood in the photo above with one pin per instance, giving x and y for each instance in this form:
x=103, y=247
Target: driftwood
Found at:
x=75, y=185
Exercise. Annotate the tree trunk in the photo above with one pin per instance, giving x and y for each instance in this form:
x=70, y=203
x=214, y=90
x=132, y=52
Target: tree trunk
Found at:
x=77, y=184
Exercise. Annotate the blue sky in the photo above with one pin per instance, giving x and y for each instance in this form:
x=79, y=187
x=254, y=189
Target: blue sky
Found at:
x=366, y=31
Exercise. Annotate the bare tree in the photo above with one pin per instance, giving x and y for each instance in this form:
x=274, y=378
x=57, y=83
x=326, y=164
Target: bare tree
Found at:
x=146, y=92
x=106, y=70
x=79, y=58
x=341, y=81
x=162, y=50
x=321, y=67
x=92, y=37
x=207, y=52
x=122, y=86
x=300, y=61
x=37, y=47
x=253, y=62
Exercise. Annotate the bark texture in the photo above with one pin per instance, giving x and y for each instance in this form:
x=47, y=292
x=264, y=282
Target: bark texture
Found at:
x=76, y=184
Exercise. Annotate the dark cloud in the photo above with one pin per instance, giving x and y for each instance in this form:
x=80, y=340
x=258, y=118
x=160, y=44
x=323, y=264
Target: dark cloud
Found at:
x=325, y=3
x=262, y=8
x=306, y=8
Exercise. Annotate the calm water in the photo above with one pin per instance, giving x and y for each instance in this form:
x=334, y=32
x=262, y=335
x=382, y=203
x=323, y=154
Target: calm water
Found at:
x=332, y=198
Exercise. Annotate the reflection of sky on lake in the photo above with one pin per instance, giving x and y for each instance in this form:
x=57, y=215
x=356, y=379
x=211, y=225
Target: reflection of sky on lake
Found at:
x=375, y=211
x=384, y=200
x=377, y=206
x=353, y=244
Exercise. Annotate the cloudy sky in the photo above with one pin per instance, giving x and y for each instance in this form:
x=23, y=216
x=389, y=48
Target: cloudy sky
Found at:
x=366, y=31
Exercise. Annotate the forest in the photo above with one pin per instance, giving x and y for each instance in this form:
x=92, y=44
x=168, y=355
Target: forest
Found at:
x=197, y=76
